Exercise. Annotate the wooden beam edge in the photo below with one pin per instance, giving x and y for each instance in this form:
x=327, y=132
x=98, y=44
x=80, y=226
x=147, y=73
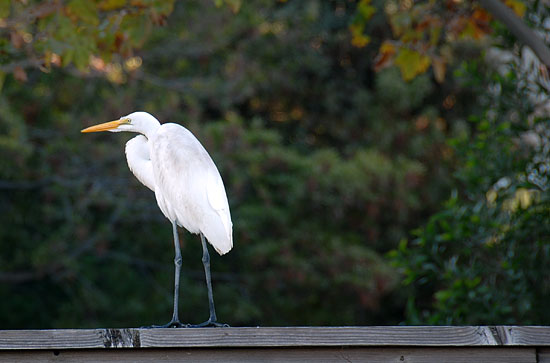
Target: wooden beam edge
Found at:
x=255, y=337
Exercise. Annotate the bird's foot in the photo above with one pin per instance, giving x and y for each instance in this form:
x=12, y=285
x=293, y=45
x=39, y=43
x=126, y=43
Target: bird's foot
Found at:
x=210, y=324
x=172, y=324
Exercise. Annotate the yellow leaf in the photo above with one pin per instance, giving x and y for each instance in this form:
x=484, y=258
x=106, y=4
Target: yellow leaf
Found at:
x=359, y=39
x=411, y=63
x=107, y=5
x=365, y=9
x=491, y=197
x=517, y=6
x=387, y=47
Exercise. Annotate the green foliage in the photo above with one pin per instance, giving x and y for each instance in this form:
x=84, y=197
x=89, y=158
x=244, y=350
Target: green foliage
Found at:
x=426, y=33
x=483, y=259
x=305, y=231
x=324, y=170
x=327, y=165
x=46, y=33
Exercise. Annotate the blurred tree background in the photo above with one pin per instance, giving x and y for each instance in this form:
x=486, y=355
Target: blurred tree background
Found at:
x=385, y=162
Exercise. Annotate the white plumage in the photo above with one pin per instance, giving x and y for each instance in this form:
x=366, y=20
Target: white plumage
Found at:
x=189, y=190
x=169, y=160
x=188, y=186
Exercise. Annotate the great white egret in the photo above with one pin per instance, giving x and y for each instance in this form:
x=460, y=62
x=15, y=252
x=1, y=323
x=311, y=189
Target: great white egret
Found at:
x=169, y=160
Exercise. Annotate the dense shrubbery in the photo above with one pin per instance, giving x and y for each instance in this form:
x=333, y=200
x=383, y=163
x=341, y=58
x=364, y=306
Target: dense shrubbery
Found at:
x=483, y=258
x=328, y=165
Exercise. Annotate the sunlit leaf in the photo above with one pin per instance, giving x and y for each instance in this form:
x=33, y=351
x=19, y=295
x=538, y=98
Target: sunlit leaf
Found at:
x=517, y=6
x=111, y=4
x=385, y=56
x=411, y=63
x=365, y=9
x=359, y=38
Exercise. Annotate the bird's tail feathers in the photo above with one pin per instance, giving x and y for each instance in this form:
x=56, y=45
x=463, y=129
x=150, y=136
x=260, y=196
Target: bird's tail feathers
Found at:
x=221, y=237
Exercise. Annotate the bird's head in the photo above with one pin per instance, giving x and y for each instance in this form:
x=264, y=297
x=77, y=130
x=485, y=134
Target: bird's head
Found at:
x=140, y=122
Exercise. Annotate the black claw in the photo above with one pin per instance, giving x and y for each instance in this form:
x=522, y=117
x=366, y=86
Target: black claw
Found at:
x=210, y=324
x=177, y=324
x=172, y=324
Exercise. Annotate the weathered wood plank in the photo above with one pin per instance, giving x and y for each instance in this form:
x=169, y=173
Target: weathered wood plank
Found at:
x=418, y=336
x=524, y=335
x=543, y=355
x=318, y=336
x=316, y=354
x=55, y=339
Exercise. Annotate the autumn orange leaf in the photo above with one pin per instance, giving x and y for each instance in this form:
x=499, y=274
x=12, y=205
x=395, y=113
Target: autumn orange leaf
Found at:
x=384, y=57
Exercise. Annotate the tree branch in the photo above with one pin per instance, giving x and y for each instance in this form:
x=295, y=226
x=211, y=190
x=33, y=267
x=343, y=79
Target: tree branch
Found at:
x=518, y=28
x=24, y=63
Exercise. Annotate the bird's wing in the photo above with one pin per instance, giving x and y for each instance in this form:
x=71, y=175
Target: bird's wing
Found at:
x=189, y=187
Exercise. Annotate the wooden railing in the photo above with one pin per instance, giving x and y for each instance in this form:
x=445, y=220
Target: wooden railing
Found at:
x=513, y=344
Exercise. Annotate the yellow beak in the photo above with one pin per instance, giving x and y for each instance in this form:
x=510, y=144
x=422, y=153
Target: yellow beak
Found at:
x=107, y=125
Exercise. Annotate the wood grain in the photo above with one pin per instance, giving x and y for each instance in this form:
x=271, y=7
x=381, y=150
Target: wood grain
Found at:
x=388, y=336
x=317, y=354
x=45, y=339
x=318, y=336
x=525, y=335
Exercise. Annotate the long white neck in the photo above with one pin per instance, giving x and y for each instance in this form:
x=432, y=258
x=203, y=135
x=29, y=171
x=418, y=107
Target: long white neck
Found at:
x=139, y=161
x=148, y=129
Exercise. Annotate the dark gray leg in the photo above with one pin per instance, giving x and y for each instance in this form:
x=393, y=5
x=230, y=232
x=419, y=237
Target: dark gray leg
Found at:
x=175, y=322
x=177, y=263
x=212, y=320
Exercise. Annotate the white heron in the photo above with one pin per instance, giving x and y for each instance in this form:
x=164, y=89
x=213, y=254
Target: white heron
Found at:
x=169, y=160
